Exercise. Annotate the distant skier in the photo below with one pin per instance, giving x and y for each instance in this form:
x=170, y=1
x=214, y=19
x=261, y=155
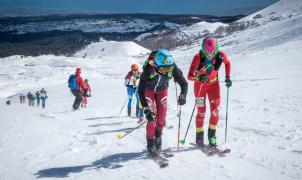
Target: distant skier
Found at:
x=204, y=73
x=84, y=101
x=153, y=92
x=78, y=87
x=131, y=82
x=30, y=98
x=8, y=102
x=21, y=98
x=43, y=96
x=24, y=98
x=38, y=98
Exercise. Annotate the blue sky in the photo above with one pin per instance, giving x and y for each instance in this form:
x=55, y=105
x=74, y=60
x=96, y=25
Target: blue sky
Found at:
x=134, y=6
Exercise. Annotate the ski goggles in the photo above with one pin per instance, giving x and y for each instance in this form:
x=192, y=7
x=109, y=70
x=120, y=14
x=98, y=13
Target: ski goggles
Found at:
x=165, y=69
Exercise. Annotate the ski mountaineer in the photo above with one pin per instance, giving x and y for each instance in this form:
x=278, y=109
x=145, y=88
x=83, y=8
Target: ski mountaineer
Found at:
x=84, y=101
x=204, y=73
x=38, y=98
x=131, y=82
x=78, y=87
x=43, y=97
x=159, y=68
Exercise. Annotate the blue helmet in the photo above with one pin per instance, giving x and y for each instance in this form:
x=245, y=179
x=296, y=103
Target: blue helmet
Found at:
x=163, y=58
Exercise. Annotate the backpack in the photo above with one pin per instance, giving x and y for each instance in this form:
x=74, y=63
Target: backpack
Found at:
x=72, y=82
x=216, y=65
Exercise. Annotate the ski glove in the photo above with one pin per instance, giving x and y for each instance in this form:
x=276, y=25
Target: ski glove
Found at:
x=228, y=82
x=148, y=114
x=181, y=99
x=203, y=78
x=86, y=93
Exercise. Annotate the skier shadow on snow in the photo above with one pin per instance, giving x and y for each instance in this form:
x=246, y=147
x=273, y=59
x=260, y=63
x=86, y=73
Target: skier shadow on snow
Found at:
x=109, y=124
x=106, y=124
x=109, y=162
x=105, y=117
x=111, y=131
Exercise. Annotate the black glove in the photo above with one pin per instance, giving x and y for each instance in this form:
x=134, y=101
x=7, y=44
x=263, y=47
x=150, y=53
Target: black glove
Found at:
x=203, y=78
x=228, y=82
x=148, y=114
x=181, y=99
x=86, y=93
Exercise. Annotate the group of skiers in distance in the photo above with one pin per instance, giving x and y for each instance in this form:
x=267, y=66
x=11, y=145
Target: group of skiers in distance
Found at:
x=39, y=96
x=150, y=87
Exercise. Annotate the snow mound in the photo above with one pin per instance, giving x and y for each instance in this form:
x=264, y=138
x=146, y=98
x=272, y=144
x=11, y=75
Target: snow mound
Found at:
x=112, y=48
x=201, y=27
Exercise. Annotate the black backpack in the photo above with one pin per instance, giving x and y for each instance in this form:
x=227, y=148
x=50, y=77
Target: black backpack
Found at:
x=217, y=64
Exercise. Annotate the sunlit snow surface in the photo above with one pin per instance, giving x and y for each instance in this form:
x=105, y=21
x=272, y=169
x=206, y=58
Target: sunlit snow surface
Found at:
x=264, y=121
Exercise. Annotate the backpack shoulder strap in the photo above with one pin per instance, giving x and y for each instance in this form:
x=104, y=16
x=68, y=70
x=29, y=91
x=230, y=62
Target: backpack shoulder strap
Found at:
x=202, y=59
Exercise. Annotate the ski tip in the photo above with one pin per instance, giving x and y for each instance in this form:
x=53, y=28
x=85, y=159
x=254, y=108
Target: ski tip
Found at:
x=119, y=136
x=182, y=141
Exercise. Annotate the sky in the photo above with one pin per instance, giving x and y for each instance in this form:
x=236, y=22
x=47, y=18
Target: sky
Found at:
x=138, y=6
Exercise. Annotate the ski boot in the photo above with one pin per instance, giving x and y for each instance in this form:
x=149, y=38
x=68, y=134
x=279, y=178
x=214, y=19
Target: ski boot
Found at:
x=199, y=139
x=129, y=112
x=158, y=141
x=153, y=153
x=212, y=137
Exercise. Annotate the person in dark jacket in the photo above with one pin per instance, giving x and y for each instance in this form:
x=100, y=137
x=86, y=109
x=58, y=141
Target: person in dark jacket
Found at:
x=38, y=98
x=153, y=93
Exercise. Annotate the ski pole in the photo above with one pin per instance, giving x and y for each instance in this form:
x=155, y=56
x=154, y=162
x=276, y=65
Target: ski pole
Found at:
x=184, y=140
x=226, y=116
x=179, y=117
x=120, y=136
x=122, y=107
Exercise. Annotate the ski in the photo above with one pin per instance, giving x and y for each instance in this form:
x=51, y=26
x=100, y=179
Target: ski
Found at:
x=166, y=154
x=211, y=151
x=162, y=162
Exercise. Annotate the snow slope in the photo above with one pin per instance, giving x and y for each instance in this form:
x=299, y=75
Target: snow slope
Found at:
x=264, y=125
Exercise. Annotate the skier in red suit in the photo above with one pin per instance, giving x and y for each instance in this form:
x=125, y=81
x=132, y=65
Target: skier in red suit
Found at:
x=204, y=73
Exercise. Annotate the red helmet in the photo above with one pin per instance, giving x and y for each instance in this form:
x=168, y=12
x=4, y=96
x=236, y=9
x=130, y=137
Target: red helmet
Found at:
x=134, y=67
x=78, y=70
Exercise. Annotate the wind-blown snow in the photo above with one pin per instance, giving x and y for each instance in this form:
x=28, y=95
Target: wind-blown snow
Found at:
x=264, y=120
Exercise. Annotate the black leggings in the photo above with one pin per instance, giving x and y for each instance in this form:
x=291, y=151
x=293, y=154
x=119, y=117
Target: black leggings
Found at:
x=78, y=98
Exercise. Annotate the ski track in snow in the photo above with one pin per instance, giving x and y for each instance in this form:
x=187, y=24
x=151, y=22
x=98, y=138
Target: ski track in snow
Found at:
x=264, y=120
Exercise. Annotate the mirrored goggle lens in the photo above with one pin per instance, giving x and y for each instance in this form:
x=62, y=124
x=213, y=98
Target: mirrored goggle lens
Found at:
x=166, y=69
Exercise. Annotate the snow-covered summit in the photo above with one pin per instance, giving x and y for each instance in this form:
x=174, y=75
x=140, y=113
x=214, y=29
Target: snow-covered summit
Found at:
x=112, y=48
x=275, y=25
x=281, y=10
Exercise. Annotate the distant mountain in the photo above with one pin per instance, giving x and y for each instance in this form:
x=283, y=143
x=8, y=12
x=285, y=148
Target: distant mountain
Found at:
x=26, y=12
x=66, y=34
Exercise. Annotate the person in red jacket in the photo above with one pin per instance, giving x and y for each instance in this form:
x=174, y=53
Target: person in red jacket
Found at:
x=77, y=87
x=204, y=73
x=84, y=101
